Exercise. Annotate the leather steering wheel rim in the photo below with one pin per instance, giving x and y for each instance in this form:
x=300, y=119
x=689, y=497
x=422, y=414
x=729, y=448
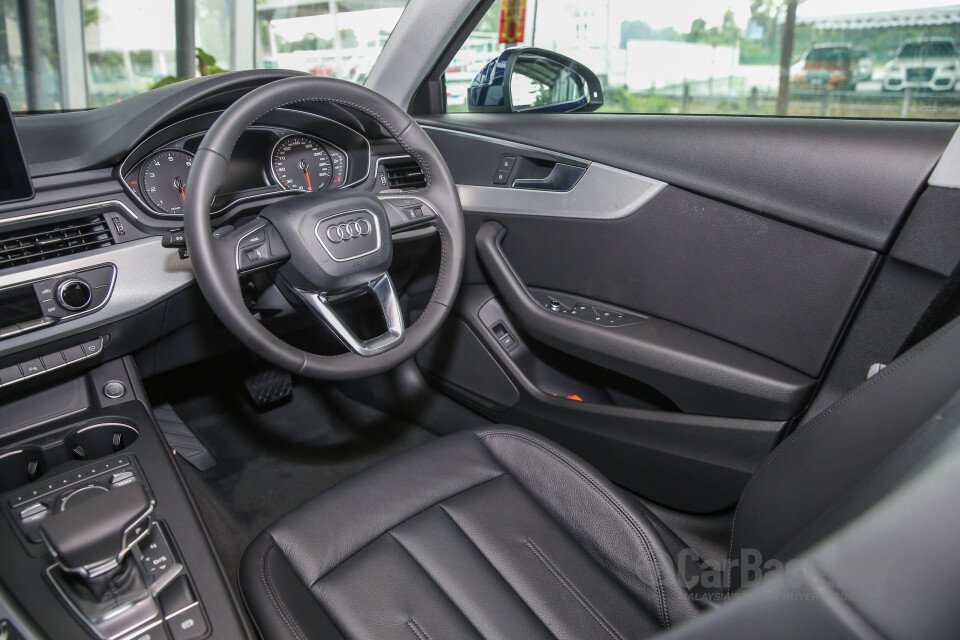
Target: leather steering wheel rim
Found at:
x=214, y=263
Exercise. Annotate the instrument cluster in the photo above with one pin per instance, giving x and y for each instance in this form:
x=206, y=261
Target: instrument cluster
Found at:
x=267, y=159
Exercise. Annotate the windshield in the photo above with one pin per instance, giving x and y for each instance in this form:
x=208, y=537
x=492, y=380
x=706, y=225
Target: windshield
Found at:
x=61, y=56
x=927, y=50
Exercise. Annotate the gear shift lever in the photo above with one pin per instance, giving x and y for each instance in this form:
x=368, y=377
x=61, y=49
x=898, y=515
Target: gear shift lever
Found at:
x=90, y=540
x=93, y=536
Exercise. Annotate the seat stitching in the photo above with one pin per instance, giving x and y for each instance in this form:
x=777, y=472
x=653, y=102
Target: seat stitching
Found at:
x=805, y=429
x=430, y=577
x=274, y=595
x=484, y=556
x=606, y=626
x=417, y=630
x=407, y=519
x=618, y=508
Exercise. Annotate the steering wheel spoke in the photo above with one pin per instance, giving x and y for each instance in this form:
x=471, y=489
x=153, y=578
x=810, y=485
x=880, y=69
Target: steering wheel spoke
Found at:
x=386, y=296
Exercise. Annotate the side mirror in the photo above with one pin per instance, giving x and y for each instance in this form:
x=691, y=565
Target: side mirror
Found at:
x=531, y=80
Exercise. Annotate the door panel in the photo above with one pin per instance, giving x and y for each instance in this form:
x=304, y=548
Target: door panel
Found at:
x=853, y=180
x=757, y=283
x=745, y=244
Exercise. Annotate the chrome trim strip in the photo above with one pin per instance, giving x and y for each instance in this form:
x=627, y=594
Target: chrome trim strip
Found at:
x=946, y=173
x=56, y=212
x=603, y=193
x=382, y=288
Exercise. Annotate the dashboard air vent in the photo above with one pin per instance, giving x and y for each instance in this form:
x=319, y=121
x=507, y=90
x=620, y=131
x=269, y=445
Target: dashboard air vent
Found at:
x=404, y=173
x=53, y=240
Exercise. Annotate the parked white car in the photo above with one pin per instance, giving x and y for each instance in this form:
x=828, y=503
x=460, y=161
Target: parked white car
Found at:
x=927, y=63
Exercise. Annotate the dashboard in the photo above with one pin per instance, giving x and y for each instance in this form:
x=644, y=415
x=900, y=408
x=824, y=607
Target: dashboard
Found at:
x=109, y=190
x=284, y=151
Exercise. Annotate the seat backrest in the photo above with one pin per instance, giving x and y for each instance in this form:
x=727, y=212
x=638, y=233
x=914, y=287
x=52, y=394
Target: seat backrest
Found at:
x=830, y=453
x=890, y=572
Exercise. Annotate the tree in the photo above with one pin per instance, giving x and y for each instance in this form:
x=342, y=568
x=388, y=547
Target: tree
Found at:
x=698, y=31
x=729, y=30
x=640, y=30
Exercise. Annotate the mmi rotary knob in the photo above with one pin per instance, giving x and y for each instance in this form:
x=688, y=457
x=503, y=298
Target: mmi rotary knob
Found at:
x=74, y=294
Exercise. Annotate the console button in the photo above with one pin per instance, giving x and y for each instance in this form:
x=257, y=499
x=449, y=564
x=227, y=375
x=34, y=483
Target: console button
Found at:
x=46, y=289
x=122, y=478
x=73, y=354
x=53, y=360
x=188, y=625
x=33, y=510
x=10, y=374
x=31, y=367
x=114, y=389
x=93, y=347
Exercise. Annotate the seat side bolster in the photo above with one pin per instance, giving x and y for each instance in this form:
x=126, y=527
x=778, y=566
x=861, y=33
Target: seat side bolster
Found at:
x=611, y=528
x=281, y=605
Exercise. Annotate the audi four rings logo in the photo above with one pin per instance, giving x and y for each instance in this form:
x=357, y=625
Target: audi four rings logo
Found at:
x=348, y=230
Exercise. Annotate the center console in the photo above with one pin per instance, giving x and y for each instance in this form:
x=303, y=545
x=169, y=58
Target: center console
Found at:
x=99, y=537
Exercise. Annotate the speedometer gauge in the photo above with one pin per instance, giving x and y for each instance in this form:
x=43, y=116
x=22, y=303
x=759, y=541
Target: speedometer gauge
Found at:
x=301, y=162
x=164, y=179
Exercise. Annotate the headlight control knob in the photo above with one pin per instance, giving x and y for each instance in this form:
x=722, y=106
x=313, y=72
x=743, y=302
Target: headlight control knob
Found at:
x=74, y=294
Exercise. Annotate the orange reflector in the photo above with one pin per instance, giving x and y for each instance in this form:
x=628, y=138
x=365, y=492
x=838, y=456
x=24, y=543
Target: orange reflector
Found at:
x=577, y=398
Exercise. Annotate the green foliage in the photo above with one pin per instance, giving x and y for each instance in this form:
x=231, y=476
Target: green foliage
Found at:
x=620, y=100
x=206, y=66
x=640, y=30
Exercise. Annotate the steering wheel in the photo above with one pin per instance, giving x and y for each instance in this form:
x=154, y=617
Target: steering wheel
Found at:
x=326, y=245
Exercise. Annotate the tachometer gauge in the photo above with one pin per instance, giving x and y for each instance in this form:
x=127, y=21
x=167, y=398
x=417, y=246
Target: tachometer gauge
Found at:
x=163, y=179
x=301, y=162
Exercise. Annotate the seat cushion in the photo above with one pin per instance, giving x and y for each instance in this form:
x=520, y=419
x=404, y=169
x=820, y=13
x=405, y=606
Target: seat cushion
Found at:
x=491, y=533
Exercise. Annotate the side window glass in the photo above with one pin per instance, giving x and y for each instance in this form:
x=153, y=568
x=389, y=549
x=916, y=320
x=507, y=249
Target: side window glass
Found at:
x=814, y=58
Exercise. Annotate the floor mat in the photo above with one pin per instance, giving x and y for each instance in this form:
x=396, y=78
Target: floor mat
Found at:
x=269, y=463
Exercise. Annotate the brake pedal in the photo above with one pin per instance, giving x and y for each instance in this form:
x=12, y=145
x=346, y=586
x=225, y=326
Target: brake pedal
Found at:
x=268, y=386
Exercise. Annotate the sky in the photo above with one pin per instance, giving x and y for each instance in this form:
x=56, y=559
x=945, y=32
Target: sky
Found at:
x=680, y=13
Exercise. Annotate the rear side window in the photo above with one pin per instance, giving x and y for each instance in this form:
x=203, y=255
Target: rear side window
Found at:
x=816, y=58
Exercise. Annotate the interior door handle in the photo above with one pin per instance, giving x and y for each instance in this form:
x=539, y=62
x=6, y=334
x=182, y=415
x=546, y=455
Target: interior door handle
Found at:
x=562, y=177
x=699, y=373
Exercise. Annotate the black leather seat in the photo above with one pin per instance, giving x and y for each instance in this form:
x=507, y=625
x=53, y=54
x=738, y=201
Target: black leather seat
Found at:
x=499, y=533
